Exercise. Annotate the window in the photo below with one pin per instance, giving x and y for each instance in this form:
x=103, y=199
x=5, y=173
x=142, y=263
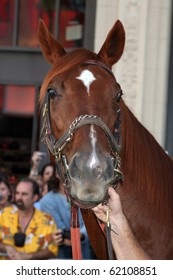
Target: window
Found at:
x=6, y=22
x=17, y=105
x=64, y=18
x=19, y=100
x=71, y=23
x=29, y=13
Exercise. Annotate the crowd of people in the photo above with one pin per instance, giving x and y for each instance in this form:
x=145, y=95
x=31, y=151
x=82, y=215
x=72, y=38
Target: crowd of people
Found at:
x=35, y=219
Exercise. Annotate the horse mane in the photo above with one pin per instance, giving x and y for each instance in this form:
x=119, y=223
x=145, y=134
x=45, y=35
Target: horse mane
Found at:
x=65, y=63
x=150, y=169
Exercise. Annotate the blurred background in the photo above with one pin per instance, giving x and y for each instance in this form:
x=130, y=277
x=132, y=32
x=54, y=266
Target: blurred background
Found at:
x=145, y=70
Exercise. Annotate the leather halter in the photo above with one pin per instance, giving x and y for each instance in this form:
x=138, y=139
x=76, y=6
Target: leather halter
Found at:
x=98, y=63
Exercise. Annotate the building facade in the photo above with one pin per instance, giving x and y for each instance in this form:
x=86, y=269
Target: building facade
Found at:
x=145, y=70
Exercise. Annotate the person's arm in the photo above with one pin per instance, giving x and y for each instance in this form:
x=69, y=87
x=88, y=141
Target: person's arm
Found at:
x=55, y=208
x=13, y=254
x=42, y=255
x=2, y=248
x=124, y=243
x=36, y=160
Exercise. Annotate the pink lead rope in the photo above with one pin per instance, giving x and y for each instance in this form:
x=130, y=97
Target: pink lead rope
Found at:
x=75, y=233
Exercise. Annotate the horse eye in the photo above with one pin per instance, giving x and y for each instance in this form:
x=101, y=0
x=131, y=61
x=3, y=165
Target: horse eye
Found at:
x=118, y=97
x=52, y=93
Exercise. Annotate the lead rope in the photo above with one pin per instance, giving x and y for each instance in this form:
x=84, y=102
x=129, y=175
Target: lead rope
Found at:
x=75, y=233
x=108, y=235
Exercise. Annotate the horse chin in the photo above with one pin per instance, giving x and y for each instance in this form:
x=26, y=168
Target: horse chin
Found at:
x=89, y=197
x=84, y=204
x=87, y=204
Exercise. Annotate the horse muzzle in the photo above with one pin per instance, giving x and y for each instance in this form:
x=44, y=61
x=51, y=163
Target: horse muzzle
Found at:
x=89, y=179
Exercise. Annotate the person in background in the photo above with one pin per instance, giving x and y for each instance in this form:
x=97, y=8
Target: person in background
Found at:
x=125, y=245
x=36, y=159
x=55, y=203
x=49, y=186
x=43, y=176
x=25, y=232
x=6, y=194
x=47, y=172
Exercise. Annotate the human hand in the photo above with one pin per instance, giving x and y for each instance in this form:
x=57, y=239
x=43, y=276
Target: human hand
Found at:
x=67, y=242
x=10, y=251
x=36, y=158
x=57, y=237
x=59, y=240
x=13, y=254
x=114, y=205
x=20, y=256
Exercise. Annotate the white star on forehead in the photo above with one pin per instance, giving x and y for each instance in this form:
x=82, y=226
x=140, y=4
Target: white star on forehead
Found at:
x=87, y=78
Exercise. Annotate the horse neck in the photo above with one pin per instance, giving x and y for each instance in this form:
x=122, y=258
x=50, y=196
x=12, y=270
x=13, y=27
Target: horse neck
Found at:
x=146, y=166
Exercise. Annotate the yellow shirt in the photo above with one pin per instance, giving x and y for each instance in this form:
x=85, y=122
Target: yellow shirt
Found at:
x=38, y=233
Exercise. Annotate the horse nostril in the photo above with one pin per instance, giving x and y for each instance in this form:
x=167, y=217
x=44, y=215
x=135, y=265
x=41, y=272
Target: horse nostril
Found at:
x=75, y=171
x=77, y=162
x=75, y=174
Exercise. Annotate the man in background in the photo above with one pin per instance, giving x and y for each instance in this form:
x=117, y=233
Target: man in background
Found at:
x=25, y=232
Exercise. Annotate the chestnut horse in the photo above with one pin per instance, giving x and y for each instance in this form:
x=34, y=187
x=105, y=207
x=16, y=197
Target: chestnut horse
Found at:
x=97, y=141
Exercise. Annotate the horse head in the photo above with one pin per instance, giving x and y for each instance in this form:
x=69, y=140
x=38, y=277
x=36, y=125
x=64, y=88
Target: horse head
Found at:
x=81, y=117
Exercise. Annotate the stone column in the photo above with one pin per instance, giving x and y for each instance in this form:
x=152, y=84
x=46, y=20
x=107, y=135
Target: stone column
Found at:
x=143, y=69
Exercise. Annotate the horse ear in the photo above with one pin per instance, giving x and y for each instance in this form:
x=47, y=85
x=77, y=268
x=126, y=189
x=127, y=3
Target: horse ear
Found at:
x=113, y=46
x=50, y=47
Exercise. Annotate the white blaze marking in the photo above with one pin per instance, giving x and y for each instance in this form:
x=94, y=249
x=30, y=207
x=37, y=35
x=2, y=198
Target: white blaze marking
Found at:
x=93, y=158
x=87, y=78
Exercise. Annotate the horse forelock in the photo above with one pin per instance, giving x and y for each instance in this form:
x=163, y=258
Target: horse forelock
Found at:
x=64, y=64
x=149, y=165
